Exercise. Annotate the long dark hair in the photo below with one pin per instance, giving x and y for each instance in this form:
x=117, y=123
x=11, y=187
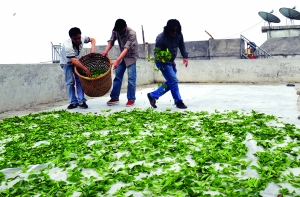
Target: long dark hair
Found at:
x=171, y=24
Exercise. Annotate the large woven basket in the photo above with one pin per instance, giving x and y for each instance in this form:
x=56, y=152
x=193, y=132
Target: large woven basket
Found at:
x=98, y=86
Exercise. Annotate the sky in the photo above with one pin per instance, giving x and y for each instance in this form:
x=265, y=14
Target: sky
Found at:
x=29, y=26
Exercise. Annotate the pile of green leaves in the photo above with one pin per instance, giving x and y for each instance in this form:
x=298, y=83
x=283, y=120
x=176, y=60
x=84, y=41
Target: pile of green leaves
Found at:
x=156, y=153
x=161, y=55
x=96, y=72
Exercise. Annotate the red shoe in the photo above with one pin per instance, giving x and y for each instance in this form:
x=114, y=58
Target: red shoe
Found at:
x=112, y=102
x=129, y=103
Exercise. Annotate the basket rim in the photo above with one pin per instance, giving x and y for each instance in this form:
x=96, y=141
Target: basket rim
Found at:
x=92, y=79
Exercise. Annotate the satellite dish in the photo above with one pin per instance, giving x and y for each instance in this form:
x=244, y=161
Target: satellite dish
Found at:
x=290, y=13
x=270, y=18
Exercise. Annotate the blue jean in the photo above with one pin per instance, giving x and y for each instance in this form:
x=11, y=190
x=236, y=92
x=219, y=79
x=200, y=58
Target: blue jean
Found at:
x=71, y=80
x=117, y=83
x=169, y=72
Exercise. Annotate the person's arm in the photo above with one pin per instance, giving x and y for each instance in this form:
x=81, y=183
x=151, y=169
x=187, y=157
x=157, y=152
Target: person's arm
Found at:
x=183, y=51
x=92, y=41
x=159, y=42
x=70, y=53
x=119, y=59
x=110, y=44
x=130, y=44
x=108, y=47
x=78, y=64
x=93, y=44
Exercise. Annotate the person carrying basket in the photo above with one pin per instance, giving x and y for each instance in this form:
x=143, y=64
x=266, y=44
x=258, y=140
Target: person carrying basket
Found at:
x=129, y=53
x=69, y=58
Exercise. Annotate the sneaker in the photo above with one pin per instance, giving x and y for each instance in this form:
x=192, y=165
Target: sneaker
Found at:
x=152, y=101
x=181, y=105
x=129, y=103
x=112, y=101
x=83, y=105
x=72, y=106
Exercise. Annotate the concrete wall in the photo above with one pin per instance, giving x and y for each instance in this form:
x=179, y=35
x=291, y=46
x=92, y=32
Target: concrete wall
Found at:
x=282, y=47
x=281, y=31
x=225, y=48
x=282, y=41
x=237, y=71
x=27, y=85
x=30, y=84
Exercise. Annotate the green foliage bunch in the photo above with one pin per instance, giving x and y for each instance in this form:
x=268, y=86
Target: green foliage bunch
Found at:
x=96, y=72
x=161, y=55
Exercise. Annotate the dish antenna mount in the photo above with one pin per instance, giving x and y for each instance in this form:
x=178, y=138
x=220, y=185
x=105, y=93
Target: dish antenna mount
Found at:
x=269, y=17
x=290, y=13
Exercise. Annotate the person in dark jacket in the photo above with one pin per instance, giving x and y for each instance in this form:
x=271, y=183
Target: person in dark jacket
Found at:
x=252, y=46
x=171, y=38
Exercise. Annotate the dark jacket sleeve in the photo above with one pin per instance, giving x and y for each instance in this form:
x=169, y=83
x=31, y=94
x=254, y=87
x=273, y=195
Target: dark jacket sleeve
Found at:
x=182, y=48
x=159, y=42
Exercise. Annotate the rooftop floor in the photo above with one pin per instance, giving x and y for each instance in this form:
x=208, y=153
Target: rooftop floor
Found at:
x=277, y=99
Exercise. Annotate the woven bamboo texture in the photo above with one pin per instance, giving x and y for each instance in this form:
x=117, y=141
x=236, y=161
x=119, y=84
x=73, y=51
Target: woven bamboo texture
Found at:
x=98, y=86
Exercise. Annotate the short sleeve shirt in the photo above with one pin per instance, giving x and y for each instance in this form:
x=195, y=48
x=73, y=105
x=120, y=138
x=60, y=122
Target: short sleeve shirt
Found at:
x=69, y=51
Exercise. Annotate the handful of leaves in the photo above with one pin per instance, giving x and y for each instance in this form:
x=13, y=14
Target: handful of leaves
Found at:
x=161, y=55
x=96, y=72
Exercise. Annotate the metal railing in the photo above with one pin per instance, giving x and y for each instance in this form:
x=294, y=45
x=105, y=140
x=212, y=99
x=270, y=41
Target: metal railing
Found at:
x=259, y=53
x=56, y=50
